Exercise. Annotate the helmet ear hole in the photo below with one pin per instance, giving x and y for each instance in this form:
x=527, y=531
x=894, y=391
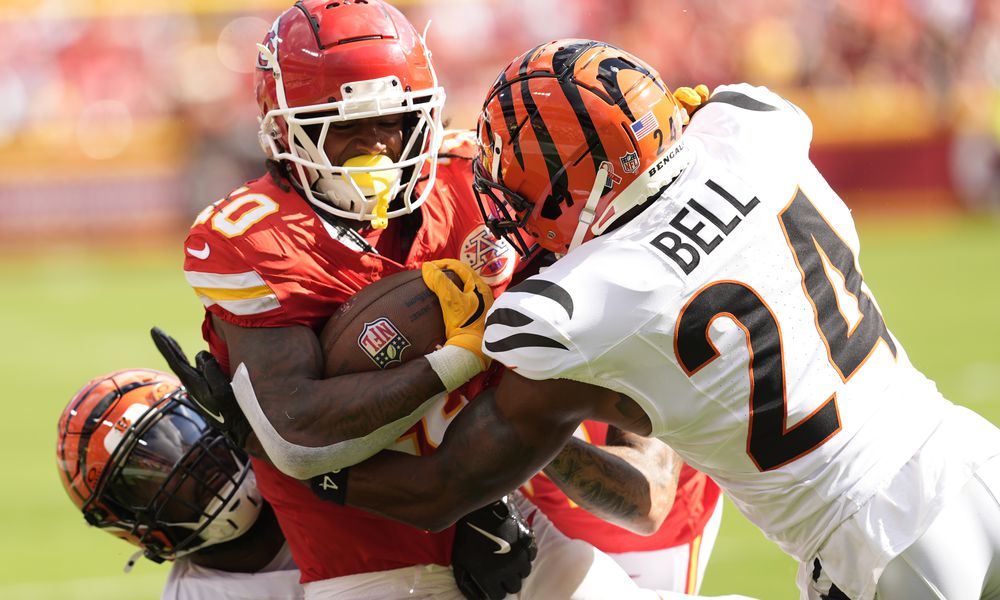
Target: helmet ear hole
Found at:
x=269, y=138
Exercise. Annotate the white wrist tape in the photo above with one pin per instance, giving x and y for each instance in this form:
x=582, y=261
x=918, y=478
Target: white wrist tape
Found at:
x=454, y=365
x=303, y=462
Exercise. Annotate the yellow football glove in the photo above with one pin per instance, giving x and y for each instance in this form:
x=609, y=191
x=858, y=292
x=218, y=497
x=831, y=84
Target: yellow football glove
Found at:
x=691, y=99
x=464, y=309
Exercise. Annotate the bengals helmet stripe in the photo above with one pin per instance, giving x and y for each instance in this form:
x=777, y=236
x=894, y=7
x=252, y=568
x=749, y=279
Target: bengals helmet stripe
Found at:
x=139, y=462
x=563, y=63
x=558, y=183
x=63, y=431
x=96, y=417
x=599, y=118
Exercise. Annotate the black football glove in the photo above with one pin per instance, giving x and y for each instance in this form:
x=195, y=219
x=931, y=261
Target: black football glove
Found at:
x=207, y=386
x=493, y=550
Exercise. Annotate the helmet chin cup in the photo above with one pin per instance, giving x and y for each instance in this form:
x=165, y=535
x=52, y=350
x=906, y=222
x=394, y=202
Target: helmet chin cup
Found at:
x=229, y=515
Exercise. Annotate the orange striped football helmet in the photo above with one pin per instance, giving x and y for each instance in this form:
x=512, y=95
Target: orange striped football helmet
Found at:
x=140, y=462
x=575, y=135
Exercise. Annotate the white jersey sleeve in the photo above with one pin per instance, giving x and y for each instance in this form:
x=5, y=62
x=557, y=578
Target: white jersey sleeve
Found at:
x=559, y=322
x=531, y=337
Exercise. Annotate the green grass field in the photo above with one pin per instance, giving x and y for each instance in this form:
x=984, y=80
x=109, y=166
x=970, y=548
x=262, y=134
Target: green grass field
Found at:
x=72, y=314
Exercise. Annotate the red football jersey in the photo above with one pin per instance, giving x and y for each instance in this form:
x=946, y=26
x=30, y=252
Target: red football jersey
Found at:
x=695, y=500
x=263, y=257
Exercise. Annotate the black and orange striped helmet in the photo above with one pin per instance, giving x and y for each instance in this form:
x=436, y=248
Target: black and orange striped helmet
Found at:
x=574, y=135
x=141, y=463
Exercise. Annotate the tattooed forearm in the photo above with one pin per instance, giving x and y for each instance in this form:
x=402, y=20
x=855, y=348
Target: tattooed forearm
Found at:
x=487, y=451
x=631, y=483
x=286, y=368
x=593, y=479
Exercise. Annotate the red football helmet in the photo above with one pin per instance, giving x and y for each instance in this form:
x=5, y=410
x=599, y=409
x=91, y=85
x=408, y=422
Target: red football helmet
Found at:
x=574, y=135
x=326, y=62
x=137, y=460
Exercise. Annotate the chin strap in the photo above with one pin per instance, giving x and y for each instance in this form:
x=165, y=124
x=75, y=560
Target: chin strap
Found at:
x=589, y=209
x=668, y=168
x=131, y=561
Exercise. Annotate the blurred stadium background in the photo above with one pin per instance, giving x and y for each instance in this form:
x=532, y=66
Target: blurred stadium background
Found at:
x=119, y=120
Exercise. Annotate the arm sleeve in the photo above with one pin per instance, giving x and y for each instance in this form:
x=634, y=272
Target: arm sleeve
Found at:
x=303, y=462
x=528, y=330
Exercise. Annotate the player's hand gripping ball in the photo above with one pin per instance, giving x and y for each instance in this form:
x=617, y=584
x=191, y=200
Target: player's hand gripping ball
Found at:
x=464, y=309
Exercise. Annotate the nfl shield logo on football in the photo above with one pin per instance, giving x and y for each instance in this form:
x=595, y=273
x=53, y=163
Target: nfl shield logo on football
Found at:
x=630, y=162
x=383, y=342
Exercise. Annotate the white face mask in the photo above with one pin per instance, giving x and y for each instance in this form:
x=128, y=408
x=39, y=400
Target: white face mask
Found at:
x=323, y=183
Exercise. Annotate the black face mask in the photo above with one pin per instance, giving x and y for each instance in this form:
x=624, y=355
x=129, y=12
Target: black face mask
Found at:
x=168, y=479
x=499, y=206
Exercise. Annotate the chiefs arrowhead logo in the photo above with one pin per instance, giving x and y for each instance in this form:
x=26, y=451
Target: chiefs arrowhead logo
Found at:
x=492, y=258
x=269, y=48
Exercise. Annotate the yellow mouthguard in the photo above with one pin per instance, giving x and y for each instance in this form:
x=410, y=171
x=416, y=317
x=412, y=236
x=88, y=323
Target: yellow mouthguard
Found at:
x=375, y=183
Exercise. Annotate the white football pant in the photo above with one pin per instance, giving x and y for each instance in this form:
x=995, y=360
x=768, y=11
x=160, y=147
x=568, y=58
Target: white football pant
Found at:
x=565, y=569
x=958, y=557
x=677, y=569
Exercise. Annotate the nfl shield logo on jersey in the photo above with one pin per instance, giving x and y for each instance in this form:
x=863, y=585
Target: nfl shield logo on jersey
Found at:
x=630, y=162
x=383, y=342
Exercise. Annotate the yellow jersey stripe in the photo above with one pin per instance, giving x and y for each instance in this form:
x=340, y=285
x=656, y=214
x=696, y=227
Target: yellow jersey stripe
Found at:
x=222, y=294
x=692, y=575
x=232, y=281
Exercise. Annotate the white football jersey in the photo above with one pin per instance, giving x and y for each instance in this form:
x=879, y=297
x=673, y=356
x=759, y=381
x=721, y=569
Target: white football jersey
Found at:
x=279, y=580
x=734, y=312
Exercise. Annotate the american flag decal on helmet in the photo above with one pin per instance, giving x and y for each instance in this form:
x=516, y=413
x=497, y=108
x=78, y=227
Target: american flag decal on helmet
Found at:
x=645, y=125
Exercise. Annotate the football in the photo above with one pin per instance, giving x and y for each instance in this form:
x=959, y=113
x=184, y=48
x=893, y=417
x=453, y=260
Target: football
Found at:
x=389, y=322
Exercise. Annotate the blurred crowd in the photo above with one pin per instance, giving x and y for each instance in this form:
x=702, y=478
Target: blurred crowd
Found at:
x=930, y=44
x=163, y=102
